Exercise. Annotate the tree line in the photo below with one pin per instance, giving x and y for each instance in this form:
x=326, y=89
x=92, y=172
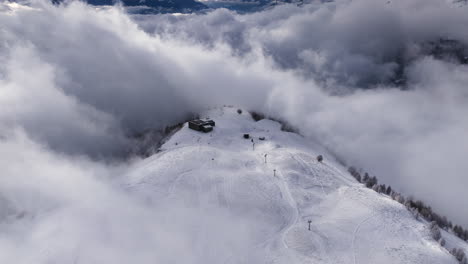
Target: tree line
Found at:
x=419, y=210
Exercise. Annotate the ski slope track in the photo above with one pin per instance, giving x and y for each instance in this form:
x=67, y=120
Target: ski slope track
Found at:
x=350, y=223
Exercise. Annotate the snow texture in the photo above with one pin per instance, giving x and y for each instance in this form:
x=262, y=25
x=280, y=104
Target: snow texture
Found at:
x=349, y=223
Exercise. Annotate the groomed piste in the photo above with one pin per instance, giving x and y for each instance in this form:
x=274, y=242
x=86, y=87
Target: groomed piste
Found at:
x=271, y=198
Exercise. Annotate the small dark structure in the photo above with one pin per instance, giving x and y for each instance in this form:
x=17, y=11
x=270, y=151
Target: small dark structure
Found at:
x=210, y=122
x=319, y=158
x=246, y=136
x=261, y=138
x=202, y=125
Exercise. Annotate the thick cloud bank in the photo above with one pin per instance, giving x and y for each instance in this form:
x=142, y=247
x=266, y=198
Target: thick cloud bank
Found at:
x=54, y=209
x=382, y=85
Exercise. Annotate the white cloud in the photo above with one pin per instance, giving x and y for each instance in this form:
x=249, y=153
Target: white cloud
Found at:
x=77, y=80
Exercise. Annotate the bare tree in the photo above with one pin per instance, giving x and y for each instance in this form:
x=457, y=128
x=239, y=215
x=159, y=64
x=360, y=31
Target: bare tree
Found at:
x=319, y=158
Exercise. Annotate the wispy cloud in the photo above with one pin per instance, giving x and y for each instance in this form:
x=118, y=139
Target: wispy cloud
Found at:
x=75, y=81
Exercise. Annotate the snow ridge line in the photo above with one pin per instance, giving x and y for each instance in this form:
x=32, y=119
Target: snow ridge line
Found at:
x=285, y=188
x=354, y=235
x=307, y=168
x=303, y=165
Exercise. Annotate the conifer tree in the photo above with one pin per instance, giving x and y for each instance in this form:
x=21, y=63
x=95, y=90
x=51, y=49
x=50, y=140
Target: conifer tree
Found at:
x=389, y=190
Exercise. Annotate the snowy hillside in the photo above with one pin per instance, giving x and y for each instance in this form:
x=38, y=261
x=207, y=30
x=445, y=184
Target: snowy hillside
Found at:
x=272, y=202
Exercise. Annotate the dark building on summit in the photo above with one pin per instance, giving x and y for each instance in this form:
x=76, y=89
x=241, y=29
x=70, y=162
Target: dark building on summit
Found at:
x=202, y=125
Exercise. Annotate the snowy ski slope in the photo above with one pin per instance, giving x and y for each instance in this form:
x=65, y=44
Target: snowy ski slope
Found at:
x=222, y=171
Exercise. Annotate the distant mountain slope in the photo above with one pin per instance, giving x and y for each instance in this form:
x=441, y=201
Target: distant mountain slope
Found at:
x=152, y=5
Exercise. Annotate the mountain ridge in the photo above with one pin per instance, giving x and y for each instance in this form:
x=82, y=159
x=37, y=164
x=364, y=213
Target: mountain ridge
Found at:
x=279, y=193
x=151, y=6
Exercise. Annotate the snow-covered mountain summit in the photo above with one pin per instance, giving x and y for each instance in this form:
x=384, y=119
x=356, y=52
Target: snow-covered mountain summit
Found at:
x=268, y=201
